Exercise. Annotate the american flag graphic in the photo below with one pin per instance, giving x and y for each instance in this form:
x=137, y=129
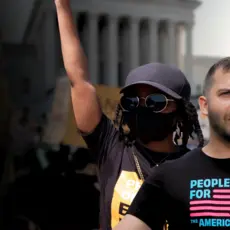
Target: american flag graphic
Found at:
x=217, y=206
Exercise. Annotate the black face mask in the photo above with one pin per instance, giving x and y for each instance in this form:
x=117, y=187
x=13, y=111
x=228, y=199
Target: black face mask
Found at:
x=148, y=126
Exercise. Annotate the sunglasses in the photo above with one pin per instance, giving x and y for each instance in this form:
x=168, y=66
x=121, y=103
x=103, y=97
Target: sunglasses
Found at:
x=156, y=102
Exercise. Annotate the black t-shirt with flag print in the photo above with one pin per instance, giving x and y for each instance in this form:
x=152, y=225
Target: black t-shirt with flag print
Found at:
x=191, y=192
x=119, y=180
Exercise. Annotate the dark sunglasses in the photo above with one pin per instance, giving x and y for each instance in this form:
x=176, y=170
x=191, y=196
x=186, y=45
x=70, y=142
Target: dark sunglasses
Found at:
x=156, y=102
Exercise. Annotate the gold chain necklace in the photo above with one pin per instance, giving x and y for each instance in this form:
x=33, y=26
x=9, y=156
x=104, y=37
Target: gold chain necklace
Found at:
x=137, y=163
x=166, y=226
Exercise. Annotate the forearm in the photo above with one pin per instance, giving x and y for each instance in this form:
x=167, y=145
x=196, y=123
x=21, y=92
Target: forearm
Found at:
x=73, y=55
x=83, y=94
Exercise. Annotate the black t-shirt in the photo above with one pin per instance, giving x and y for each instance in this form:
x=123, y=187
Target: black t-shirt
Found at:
x=119, y=180
x=191, y=192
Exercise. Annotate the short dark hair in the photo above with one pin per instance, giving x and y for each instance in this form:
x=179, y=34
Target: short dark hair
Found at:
x=187, y=125
x=223, y=64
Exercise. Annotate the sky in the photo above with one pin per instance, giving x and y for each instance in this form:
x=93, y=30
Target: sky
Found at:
x=211, y=35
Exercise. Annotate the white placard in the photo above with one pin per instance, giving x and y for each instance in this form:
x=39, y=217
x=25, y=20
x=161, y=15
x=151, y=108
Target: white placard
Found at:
x=57, y=119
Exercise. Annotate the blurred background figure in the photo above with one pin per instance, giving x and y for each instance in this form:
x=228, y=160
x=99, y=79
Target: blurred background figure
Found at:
x=23, y=223
x=48, y=196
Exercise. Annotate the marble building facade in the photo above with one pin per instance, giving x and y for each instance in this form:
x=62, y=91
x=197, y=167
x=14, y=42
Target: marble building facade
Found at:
x=120, y=35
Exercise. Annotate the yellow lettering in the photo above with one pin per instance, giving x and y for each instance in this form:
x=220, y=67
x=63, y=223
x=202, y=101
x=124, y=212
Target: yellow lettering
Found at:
x=130, y=183
x=133, y=184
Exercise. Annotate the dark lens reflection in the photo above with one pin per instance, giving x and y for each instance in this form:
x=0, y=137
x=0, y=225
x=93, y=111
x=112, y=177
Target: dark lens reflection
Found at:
x=129, y=103
x=156, y=102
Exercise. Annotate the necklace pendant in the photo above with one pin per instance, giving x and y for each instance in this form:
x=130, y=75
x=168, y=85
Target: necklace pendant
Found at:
x=157, y=165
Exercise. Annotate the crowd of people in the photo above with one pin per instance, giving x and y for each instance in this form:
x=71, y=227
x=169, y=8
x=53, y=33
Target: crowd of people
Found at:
x=57, y=190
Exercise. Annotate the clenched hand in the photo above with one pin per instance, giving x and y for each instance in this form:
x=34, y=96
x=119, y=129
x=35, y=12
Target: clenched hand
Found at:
x=62, y=2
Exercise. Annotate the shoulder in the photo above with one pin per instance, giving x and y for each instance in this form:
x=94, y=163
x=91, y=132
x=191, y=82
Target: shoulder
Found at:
x=105, y=133
x=104, y=123
x=181, y=152
x=174, y=167
x=185, y=160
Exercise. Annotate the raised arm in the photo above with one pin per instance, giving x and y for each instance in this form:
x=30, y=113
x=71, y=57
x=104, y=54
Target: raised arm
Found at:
x=85, y=103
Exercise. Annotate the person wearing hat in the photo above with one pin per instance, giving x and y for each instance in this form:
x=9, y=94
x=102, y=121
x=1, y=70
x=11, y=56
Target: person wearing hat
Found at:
x=154, y=104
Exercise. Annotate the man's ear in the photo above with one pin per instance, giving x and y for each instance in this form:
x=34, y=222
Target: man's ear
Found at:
x=203, y=103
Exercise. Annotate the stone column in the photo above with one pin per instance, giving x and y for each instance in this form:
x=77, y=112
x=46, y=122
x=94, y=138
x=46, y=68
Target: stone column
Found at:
x=172, y=55
x=189, y=55
x=93, y=48
x=124, y=54
x=112, y=77
x=144, y=42
x=161, y=41
x=50, y=48
x=178, y=47
x=164, y=37
x=134, y=43
x=153, y=40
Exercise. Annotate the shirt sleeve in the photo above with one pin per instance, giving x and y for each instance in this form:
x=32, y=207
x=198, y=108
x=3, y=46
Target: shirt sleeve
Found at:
x=149, y=205
x=102, y=140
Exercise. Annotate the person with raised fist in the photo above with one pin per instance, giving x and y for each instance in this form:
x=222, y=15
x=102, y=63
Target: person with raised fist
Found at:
x=154, y=105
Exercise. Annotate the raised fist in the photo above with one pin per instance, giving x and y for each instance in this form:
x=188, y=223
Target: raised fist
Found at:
x=62, y=2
